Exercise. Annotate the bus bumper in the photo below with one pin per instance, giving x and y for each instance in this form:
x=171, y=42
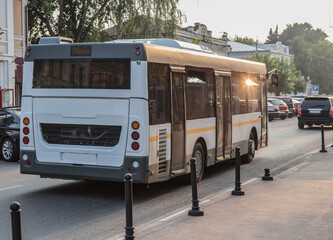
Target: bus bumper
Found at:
x=70, y=171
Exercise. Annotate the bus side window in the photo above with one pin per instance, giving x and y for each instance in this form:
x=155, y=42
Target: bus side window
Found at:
x=158, y=93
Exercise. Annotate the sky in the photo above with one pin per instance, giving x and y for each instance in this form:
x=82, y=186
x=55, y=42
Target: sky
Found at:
x=254, y=18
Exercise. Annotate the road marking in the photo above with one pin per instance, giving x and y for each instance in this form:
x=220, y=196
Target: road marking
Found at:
x=8, y=188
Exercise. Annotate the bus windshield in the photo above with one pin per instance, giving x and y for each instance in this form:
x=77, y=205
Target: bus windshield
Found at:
x=82, y=73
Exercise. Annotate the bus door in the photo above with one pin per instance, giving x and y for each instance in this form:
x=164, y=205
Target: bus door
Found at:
x=177, y=119
x=264, y=138
x=223, y=115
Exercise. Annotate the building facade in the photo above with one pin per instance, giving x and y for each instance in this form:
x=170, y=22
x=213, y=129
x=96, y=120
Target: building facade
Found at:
x=12, y=45
x=241, y=50
x=199, y=34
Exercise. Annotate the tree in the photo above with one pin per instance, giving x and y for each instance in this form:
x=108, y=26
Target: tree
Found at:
x=273, y=37
x=288, y=74
x=313, y=54
x=85, y=20
x=245, y=40
x=303, y=30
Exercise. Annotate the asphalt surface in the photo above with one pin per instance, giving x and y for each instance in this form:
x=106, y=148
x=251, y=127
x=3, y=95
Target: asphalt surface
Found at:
x=60, y=209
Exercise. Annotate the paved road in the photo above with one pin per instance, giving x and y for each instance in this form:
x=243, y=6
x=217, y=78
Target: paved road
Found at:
x=58, y=209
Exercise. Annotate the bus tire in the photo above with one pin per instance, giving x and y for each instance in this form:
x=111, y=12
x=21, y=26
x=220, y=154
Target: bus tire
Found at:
x=8, y=150
x=199, y=155
x=247, y=158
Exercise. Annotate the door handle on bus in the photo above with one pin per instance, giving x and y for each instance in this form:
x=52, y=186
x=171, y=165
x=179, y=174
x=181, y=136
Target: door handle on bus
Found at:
x=260, y=116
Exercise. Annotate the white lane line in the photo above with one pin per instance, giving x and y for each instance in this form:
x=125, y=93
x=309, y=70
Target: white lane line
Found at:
x=8, y=188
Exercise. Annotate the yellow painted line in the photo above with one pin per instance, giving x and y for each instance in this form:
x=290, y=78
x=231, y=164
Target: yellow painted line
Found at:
x=198, y=130
x=245, y=123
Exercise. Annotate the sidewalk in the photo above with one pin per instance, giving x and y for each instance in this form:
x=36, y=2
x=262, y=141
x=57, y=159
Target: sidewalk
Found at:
x=298, y=204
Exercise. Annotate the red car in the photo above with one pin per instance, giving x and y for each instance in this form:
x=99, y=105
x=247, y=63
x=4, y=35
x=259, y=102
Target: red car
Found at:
x=296, y=105
x=284, y=111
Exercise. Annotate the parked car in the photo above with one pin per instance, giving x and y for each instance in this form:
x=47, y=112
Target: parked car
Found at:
x=273, y=111
x=315, y=110
x=300, y=99
x=284, y=111
x=296, y=105
x=290, y=105
x=10, y=133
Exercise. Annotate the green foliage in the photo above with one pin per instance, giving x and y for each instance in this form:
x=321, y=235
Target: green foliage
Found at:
x=85, y=20
x=313, y=54
x=196, y=41
x=245, y=40
x=273, y=37
x=289, y=76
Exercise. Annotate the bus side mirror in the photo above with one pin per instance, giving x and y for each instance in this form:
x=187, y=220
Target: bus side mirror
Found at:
x=275, y=80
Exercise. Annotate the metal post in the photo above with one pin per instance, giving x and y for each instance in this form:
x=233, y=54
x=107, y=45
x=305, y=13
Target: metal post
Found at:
x=195, y=211
x=238, y=189
x=267, y=176
x=322, y=139
x=129, y=229
x=16, y=220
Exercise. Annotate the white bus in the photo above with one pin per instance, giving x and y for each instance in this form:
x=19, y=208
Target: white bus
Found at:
x=101, y=110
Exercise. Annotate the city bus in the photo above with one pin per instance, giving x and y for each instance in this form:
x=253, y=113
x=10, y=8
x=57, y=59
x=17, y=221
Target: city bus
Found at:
x=101, y=110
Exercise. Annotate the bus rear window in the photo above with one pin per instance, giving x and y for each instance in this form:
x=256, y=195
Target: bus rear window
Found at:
x=82, y=73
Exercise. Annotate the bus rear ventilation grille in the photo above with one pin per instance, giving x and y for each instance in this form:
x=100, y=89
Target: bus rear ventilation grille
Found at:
x=162, y=149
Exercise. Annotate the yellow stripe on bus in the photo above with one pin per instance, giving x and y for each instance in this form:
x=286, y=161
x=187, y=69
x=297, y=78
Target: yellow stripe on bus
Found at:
x=198, y=130
x=245, y=123
x=156, y=138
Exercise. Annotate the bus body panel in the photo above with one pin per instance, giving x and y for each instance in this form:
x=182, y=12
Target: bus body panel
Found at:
x=78, y=112
x=242, y=125
x=201, y=128
x=138, y=111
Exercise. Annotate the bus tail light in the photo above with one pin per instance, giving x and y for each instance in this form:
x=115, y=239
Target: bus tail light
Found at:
x=135, y=145
x=331, y=112
x=26, y=131
x=135, y=125
x=26, y=140
x=135, y=135
x=26, y=121
x=300, y=111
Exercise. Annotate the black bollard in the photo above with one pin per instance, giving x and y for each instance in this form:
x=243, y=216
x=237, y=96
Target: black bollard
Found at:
x=16, y=220
x=238, y=189
x=195, y=211
x=267, y=176
x=322, y=139
x=129, y=229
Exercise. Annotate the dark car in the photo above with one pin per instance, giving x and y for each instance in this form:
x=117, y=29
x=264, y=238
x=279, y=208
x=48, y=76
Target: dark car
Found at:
x=273, y=111
x=284, y=111
x=10, y=133
x=290, y=105
x=315, y=111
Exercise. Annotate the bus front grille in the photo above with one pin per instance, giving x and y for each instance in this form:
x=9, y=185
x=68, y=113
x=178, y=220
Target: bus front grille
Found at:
x=162, y=149
x=89, y=135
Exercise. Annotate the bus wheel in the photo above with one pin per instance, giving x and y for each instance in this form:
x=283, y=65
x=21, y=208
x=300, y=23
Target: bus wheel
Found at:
x=247, y=158
x=199, y=155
